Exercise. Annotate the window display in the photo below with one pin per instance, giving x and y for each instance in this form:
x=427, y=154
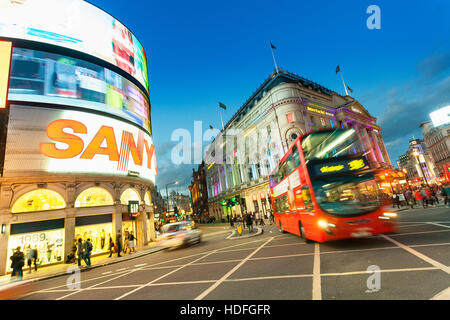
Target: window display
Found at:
x=94, y=197
x=38, y=76
x=39, y=200
x=99, y=235
x=49, y=245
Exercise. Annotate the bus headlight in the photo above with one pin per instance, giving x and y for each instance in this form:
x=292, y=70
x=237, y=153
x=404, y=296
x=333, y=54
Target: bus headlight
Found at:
x=322, y=223
x=390, y=214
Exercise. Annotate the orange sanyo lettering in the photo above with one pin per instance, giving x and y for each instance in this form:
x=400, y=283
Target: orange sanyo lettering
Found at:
x=56, y=133
x=134, y=150
x=105, y=133
x=150, y=151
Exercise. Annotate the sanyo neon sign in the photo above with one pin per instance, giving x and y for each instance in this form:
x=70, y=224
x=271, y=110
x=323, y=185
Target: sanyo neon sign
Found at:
x=76, y=146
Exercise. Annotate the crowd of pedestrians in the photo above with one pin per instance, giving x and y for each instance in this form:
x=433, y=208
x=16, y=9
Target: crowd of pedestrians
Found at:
x=423, y=196
x=248, y=219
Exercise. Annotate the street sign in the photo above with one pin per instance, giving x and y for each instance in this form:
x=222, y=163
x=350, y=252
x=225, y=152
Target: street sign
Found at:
x=133, y=208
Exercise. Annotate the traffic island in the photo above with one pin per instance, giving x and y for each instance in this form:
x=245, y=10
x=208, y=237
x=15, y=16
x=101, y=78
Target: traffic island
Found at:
x=235, y=235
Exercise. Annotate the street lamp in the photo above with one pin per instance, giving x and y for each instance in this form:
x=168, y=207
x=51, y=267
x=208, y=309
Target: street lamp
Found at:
x=167, y=192
x=416, y=155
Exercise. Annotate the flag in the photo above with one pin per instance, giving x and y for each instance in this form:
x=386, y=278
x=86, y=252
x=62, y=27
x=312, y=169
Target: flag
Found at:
x=211, y=127
x=349, y=89
x=222, y=106
x=272, y=46
x=338, y=69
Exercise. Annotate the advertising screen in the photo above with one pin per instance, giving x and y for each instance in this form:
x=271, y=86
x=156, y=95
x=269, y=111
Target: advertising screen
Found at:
x=5, y=59
x=441, y=116
x=339, y=166
x=50, y=141
x=38, y=76
x=77, y=25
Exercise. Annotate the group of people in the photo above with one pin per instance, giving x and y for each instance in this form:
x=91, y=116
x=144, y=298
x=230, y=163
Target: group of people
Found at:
x=18, y=261
x=247, y=220
x=424, y=196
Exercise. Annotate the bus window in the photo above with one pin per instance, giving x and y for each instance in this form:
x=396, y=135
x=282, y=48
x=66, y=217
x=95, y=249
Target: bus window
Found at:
x=307, y=198
x=296, y=157
x=289, y=164
x=282, y=204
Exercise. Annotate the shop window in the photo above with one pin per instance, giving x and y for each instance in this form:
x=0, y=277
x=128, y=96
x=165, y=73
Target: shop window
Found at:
x=94, y=197
x=147, y=200
x=129, y=195
x=39, y=200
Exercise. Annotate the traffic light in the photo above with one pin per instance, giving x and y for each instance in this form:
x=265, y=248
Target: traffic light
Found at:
x=175, y=211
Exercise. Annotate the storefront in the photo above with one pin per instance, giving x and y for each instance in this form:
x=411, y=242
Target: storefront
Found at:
x=96, y=228
x=45, y=236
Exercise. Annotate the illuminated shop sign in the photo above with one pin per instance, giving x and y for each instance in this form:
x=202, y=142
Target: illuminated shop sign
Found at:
x=352, y=165
x=441, y=116
x=38, y=76
x=5, y=59
x=319, y=111
x=76, y=25
x=60, y=141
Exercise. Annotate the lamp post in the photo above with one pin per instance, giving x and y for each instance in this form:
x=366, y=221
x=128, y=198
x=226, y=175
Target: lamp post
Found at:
x=416, y=155
x=167, y=192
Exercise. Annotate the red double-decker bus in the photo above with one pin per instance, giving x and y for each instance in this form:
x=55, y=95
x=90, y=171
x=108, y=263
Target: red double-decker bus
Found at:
x=324, y=189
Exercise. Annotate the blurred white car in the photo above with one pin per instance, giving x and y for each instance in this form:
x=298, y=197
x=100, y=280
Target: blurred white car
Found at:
x=179, y=233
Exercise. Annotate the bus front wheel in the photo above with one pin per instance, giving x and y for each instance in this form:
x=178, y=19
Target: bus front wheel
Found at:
x=302, y=232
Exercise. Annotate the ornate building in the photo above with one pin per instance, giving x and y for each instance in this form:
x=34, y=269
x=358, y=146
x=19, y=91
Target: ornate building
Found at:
x=199, y=194
x=284, y=107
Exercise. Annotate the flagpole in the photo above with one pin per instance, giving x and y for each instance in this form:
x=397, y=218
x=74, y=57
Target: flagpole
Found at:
x=221, y=120
x=273, y=56
x=345, y=87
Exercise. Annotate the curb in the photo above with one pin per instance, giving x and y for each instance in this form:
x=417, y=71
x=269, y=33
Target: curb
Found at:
x=233, y=236
x=92, y=266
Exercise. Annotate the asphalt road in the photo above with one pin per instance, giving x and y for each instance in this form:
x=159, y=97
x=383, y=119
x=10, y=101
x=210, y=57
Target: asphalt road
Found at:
x=413, y=264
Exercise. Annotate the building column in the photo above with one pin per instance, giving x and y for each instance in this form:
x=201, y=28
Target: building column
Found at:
x=69, y=231
x=141, y=232
x=4, y=237
x=151, y=221
x=117, y=221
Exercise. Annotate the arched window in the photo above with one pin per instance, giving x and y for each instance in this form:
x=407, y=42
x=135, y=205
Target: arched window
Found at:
x=129, y=195
x=94, y=197
x=147, y=200
x=39, y=200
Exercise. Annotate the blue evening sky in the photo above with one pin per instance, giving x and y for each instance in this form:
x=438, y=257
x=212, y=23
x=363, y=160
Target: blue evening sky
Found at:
x=203, y=52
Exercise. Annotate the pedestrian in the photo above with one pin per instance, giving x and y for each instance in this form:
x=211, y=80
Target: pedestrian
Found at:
x=394, y=200
x=256, y=218
x=401, y=199
x=409, y=199
x=250, y=223
x=119, y=243
x=17, y=263
x=80, y=251
x=87, y=250
x=110, y=246
x=29, y=258
x=419, y=197
x=125, y=242
x=131, y=242
x=261, y=222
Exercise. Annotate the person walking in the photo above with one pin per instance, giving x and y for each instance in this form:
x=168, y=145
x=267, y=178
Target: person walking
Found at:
x=17, y=263
x=250, y=223
x=87, y=250
x=125, y=243
x=80, y=251
x=131, y=242
x=419, y=197
x=402, y=199
x=110, y=246
x=119, y=243
x=409, y=199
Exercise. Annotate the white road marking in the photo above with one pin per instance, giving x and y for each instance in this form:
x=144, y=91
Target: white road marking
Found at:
x=339, y=274
x=443, y=295
x=410, y=233
x=140, y=265
x=163, y=276
x=439, y=225
x=419, y=255
x=317, y=285
x=229, y=273
x=108, y=272
x=122, y=269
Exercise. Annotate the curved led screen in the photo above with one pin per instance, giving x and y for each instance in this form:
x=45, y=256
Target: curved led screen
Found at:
x=51, y=78
x=77, y=25
x=42, y=141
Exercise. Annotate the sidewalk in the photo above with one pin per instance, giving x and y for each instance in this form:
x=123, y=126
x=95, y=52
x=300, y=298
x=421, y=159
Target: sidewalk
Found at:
x=48, y=272
x=440, y=205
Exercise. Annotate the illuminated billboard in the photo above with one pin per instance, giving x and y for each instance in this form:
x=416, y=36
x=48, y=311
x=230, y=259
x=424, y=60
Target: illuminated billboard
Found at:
x=38, y=76
x=5, y=59
x=441, y=116
x=77, y=25
x=43, y=141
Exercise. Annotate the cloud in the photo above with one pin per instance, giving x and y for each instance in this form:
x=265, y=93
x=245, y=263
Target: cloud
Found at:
x=410, y=105
x=169, y=173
